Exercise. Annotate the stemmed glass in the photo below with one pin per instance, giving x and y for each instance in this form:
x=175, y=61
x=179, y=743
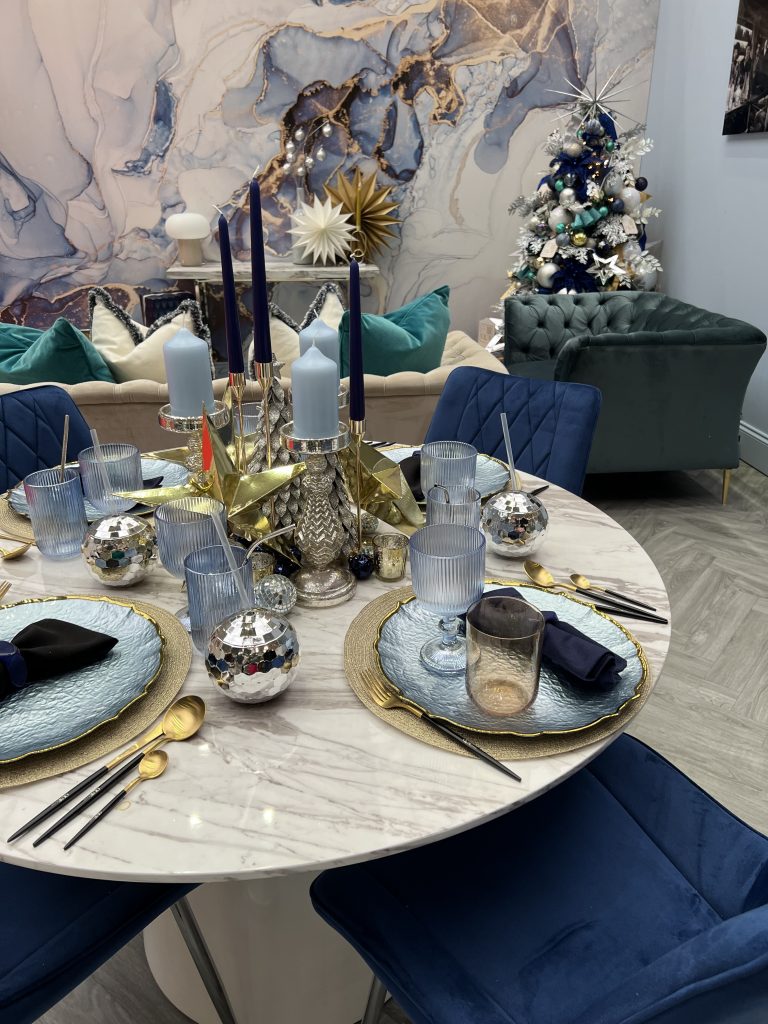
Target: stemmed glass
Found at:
x=184, y=525
x=447, y=569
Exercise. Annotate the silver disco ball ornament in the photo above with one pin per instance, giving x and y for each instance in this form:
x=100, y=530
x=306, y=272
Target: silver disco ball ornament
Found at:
x=276, y=594
x=253, y=655
x=514, y=523
x=120, y=549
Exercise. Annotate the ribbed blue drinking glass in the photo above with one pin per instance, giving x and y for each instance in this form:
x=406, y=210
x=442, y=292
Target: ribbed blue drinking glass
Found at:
x=212, y=591
x=450, y=463
x=457, y=505
x=184, y=525
x=56, y=511
x=122, y=463
x=447, y=570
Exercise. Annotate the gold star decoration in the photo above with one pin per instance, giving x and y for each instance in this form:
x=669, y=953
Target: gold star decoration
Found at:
x=369, y=206
x=243, y=494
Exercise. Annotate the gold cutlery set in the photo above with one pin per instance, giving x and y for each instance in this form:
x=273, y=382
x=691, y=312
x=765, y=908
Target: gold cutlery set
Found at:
x=181, y=721
x=611, y=601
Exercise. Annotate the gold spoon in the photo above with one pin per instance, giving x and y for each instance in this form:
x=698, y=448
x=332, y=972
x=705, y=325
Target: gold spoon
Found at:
x=182, y=720
x=584, y=583
x=543, y=577
x=9, y=554
x=151, y=766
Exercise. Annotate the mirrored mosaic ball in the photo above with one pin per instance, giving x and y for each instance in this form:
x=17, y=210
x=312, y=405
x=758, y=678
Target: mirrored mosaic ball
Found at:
x=276, y=593
x=253, y=655
x=120, y=549
x=514, y=523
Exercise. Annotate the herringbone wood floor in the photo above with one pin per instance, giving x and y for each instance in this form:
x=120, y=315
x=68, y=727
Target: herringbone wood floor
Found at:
x=709, y=711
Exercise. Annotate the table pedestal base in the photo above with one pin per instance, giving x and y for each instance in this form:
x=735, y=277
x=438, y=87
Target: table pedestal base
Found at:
x=278, y=961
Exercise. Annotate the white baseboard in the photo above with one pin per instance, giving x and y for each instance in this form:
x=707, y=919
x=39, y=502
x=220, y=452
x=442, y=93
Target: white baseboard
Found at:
x=754, y=447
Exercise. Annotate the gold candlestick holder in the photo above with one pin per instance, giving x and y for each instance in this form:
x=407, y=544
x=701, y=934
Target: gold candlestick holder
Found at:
x=193, y=427
x=237, y=388
x=357, y=431
x=264, y=373
x=321, y=582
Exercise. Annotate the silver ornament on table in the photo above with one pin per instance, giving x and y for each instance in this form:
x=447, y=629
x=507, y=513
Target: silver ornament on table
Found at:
x=513, y=521
x=276, y=593
x=253, y=655
x=120, y=549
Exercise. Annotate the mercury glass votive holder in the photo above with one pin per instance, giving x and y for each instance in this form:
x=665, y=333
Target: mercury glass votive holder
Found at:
x=390, y=553
x=212, y=591
x=450, y=463
x=56, y=512
x=122, y=463
x=504, y=641
x=263, y=565
x=453, y=504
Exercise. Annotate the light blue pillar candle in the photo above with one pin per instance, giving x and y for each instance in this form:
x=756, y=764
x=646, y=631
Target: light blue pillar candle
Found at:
x=188, y=371
x=314, y=382
x=324, y=337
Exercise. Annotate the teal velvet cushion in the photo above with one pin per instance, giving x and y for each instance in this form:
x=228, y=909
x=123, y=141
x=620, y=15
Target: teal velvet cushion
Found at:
x=410, y=338
x=61, y=355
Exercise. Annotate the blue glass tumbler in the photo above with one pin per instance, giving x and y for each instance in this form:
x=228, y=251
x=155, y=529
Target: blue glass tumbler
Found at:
x=212, y=591
x=56, y=511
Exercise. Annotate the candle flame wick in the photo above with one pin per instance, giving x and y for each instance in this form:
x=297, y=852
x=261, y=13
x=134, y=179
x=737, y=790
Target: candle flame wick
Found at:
x=258, y=168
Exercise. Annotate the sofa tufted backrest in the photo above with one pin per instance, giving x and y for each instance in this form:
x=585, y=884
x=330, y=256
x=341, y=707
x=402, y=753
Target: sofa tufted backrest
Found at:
x=537, y=326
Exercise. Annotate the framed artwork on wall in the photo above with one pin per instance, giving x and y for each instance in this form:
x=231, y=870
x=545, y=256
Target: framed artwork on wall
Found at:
x=746, y=109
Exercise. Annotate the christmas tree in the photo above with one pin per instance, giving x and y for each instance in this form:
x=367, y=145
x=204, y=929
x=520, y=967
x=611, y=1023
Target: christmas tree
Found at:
x=584, y=227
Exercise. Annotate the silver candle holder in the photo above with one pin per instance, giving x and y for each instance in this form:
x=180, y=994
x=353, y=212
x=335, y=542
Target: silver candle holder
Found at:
x=193, y=427
x=321, y=582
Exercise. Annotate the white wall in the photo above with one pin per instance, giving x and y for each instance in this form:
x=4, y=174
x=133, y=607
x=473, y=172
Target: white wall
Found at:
x=713, y=189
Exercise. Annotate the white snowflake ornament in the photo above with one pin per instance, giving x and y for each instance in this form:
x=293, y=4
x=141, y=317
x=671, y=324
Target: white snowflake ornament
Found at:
x=321, y=230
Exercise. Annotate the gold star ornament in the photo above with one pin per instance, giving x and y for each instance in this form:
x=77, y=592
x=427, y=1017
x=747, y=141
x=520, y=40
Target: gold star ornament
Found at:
x=370, y=209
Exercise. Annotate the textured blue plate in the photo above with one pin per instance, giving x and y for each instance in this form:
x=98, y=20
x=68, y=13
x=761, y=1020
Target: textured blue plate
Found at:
x=59, y=710
x=490, y=477
x=171, y=472
x=558, y=707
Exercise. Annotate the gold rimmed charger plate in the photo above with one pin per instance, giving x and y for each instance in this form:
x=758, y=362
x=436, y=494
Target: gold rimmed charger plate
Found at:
x=133, y=720
x=361, y=659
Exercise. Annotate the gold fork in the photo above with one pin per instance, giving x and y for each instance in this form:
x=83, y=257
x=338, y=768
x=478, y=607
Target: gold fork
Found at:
x=387, y=696
x=4, y=588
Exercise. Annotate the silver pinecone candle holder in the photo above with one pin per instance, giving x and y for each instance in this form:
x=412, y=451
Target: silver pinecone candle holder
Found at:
x=320, y=536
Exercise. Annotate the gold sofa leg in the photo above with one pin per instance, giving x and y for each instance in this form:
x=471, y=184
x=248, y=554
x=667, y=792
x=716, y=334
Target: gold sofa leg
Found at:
x=726, y=484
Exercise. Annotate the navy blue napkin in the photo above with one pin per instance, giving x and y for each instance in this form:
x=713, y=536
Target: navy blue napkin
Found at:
x=48, y=648
x=410, y=467
x=578, y=660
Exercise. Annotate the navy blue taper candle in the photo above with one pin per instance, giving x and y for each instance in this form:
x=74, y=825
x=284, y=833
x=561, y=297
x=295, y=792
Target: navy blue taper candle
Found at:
x=262, y=342
x=356, y=385
x=231, y=315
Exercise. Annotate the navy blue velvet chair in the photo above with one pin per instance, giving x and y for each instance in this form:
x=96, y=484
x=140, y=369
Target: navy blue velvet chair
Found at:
x=626, y=895
x=551, y=423
x=32, y=429
x=56, y=930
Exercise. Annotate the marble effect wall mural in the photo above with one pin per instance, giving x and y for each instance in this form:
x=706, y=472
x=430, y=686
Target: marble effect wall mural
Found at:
x=118, y=115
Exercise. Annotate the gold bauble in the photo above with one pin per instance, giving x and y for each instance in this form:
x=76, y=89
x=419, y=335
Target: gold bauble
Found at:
x=579, y=238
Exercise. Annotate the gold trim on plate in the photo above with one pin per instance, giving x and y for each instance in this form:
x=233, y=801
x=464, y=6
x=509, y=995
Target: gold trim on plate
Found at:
x=138, y=697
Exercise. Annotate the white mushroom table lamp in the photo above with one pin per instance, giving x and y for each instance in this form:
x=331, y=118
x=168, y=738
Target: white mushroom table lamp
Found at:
x=189, y=230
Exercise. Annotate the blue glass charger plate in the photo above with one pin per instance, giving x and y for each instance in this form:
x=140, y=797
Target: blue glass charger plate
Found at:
x=172, y=474
x=63, y=709
x=558, y=707
x=491, y=475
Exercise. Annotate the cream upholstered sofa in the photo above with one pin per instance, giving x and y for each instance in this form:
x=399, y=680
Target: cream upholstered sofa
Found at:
x=398, y=408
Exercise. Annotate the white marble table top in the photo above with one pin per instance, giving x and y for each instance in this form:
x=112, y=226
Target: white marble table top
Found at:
x=312, y=780
x=278, y=270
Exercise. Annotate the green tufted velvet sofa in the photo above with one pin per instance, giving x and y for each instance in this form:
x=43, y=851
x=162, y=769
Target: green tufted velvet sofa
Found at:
x=673, y=376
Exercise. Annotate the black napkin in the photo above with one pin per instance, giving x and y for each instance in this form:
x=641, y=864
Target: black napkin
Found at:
x=580, y=661
x=153, y=481
x=47, y=648
x=411, y=470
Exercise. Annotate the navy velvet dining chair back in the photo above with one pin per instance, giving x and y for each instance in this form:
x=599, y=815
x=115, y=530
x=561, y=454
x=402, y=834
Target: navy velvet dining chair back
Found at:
x=551, y=423
x=626, y=895
x=31, y=431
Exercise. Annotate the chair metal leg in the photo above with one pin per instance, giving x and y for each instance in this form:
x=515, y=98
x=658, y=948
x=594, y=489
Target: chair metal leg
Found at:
x=375, y=1003
x=198, y=948
x=726, y=484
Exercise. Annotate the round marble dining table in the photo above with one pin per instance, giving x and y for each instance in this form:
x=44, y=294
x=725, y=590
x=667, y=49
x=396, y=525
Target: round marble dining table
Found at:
x=267, y=796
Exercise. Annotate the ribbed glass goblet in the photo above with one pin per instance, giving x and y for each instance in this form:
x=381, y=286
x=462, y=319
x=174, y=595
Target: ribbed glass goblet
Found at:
x=447, y=570
x=450, y=463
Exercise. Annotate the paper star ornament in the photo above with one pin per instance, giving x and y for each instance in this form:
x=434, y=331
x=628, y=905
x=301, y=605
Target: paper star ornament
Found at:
x=370, y=208
x=322, y=231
